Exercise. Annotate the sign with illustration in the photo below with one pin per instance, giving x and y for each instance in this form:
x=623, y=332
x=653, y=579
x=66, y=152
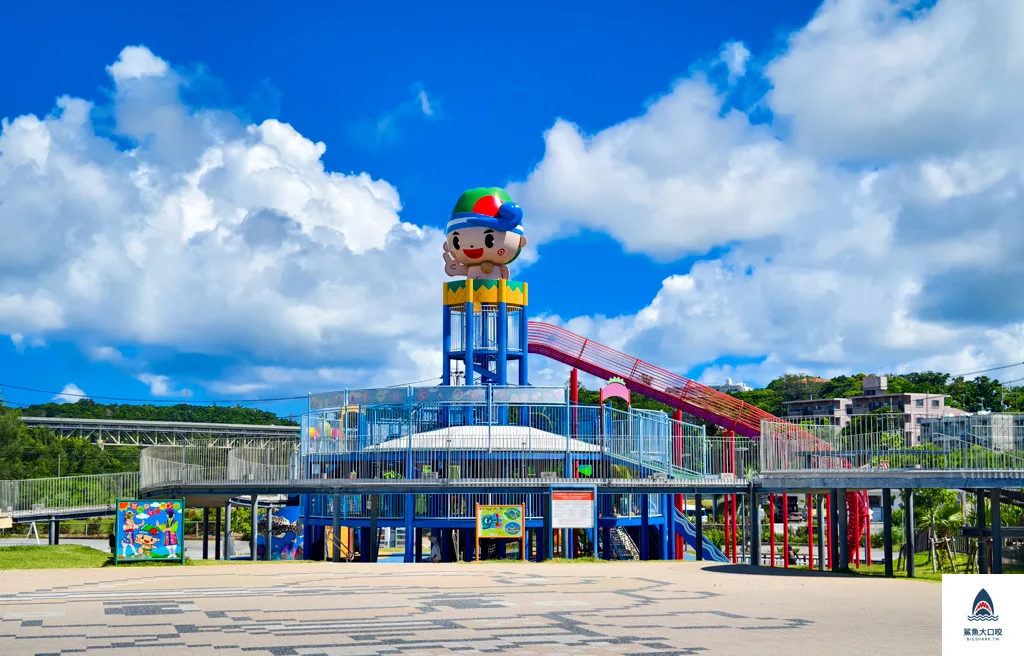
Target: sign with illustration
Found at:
x=499, y=521
x=285, y=535
x=502, y=522
x=150, y=529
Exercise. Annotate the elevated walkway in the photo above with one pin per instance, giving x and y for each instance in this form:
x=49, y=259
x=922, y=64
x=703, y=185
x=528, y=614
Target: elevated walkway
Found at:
x=67, y=497
x=118, y=432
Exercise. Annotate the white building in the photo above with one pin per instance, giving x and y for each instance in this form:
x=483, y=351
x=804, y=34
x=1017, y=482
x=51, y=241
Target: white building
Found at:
x=732, y=387
x=999, y=431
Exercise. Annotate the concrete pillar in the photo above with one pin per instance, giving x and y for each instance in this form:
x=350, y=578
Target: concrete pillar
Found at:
x=833, y=528
x=887, y=529
x=982, y=544
x=268, y=534
x=908, y=513
x=997, y=533
x=206, y=534
x=841, y=537
x=254, y=508
x=228, y=544
x=216, y=533
x=51, y=539
x=698, y=518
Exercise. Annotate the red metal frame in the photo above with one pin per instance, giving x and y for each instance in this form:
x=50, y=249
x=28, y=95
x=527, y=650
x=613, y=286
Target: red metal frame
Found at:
x=771, y=519
x=672, y=389
x=644, y=378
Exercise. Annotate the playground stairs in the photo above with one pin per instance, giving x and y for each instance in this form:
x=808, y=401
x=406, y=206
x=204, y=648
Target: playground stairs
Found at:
x=623, y=546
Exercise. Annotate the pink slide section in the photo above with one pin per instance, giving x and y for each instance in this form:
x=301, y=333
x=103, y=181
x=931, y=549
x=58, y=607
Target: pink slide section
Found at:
x=644, y=378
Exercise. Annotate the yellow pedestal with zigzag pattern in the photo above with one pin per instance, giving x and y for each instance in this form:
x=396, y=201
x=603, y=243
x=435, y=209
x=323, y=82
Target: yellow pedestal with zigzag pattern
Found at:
x=510, y=292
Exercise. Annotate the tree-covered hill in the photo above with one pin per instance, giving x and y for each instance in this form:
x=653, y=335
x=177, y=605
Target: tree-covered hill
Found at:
x=36, y=452
x=89, y=409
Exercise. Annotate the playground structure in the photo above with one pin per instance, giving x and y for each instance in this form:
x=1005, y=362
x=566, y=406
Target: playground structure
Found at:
x=421, y=459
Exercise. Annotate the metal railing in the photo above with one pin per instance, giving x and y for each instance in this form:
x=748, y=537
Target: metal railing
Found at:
x=885, y=442
x=488, y=443
x=462, y=506
x=39, y=496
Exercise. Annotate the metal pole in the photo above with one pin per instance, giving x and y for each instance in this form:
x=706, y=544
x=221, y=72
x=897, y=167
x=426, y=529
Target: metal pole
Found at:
x=52, y=537
x=755, y=528
x=771, y=530
x=228, y=544
x=833, y=546
x=269, y=512
x=979, y=510
x=908, y=498
x=698, y=508
x=785, y=531
x=887, y=529
x=997, y=533
x=206, y=534
x=336, y=528
x=810, y=533
x=253, y=529
x=842, y=531
x=216, y=533
x=821, y=532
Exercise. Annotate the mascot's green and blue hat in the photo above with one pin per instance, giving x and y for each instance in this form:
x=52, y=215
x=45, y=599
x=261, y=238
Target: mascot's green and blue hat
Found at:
x=486, y=207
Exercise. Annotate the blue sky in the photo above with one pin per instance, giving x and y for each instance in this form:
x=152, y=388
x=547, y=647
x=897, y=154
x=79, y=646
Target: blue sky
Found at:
x=682, y=161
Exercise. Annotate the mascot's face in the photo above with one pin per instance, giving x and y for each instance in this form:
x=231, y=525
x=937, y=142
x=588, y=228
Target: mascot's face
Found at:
x=145, y=540
x=473, y=246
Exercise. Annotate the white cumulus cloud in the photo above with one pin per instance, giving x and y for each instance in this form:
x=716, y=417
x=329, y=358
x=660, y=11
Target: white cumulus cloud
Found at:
x=70, y=394
x=832, y=263
x=205, y=235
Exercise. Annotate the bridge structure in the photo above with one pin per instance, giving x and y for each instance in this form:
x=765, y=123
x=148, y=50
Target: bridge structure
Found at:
x=121, y=432
x=820, y=461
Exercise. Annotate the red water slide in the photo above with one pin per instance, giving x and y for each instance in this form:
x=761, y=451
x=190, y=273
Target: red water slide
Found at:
x=675, y=391
x=645, y=378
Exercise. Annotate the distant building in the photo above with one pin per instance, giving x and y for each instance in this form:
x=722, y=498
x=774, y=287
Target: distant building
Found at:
x=914, y=406
x=832, y=411
x=999, y=431
x=732, y=387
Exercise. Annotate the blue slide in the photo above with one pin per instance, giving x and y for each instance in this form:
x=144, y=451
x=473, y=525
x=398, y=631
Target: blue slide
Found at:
x=689, y=532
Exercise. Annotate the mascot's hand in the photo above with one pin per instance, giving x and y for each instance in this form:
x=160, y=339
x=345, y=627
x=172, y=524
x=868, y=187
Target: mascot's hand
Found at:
x=451, y=267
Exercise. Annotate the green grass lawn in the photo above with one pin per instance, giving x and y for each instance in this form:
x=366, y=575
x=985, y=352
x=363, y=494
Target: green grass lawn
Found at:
x=61, y=556
x=66, y=556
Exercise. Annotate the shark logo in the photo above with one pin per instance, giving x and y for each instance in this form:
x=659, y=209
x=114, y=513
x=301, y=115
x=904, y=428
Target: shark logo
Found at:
x=983, y=609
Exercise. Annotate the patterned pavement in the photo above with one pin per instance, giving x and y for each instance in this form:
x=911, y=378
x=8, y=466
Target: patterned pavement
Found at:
x=430, y=610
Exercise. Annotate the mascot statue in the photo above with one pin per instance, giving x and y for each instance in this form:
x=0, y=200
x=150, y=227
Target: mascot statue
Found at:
x=484, y=235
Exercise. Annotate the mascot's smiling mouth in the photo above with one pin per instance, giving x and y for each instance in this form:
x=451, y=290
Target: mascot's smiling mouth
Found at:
x=474, y=253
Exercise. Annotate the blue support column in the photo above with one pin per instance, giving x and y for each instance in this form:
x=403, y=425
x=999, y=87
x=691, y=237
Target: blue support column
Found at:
x=668, y=531
x=645, y=528
x=417, y=547
x=307, y=530
x=470, y=334
x=501, y=366
x=606, y=543
x=446, y=345
x=524, y=373
x=410, y=508
x=546, y=539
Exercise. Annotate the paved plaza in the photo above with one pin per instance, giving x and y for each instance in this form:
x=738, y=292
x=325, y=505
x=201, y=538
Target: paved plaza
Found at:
x=509, y=608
